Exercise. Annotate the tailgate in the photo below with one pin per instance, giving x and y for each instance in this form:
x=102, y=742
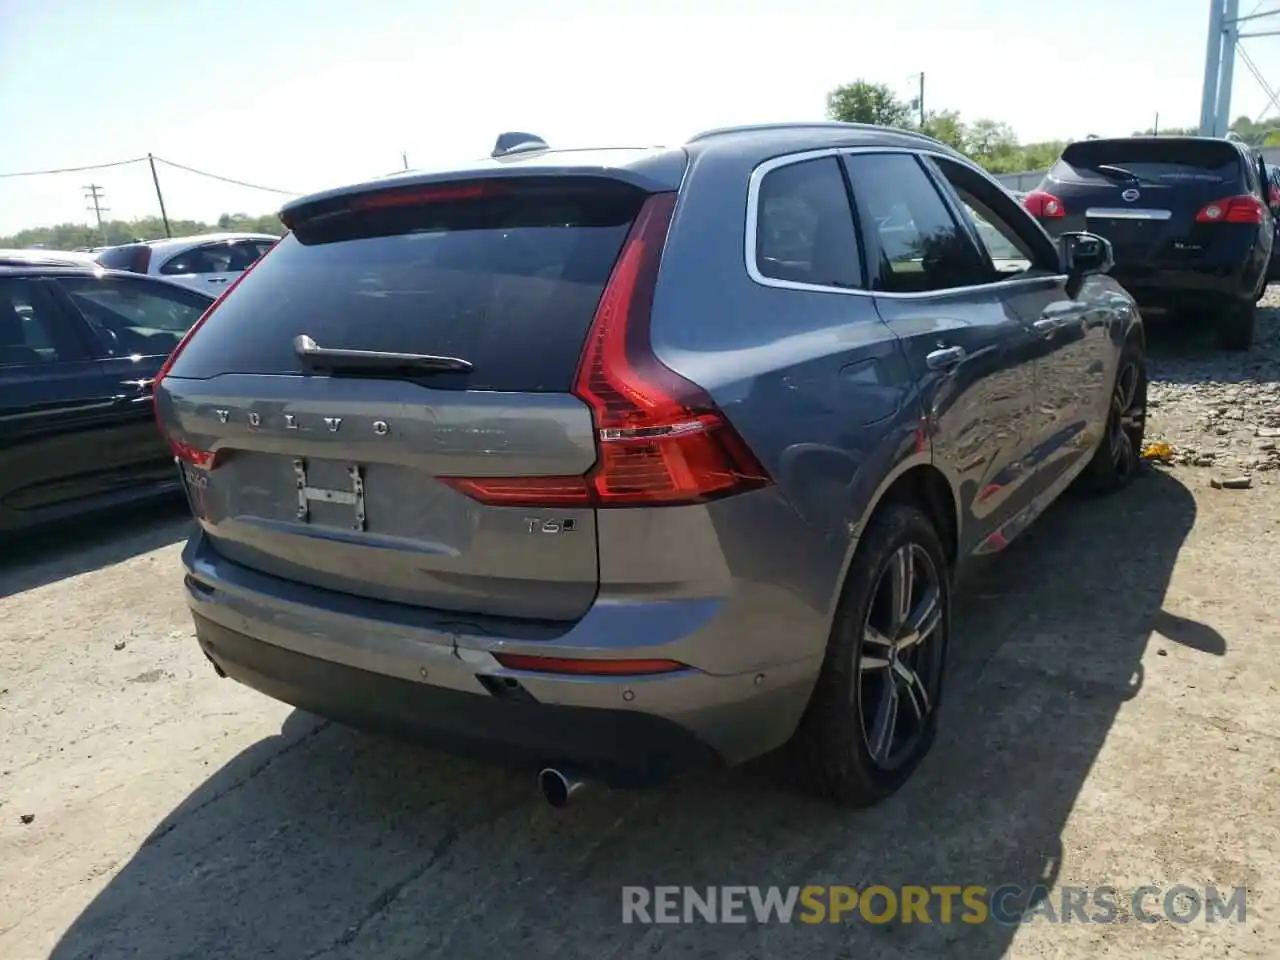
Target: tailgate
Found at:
x=333, y=478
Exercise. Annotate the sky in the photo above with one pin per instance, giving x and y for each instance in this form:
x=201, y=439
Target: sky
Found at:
x=302, y=95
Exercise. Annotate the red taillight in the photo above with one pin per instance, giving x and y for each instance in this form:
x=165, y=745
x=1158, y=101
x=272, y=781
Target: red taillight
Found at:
x=182, y=450
x=413, y=196
x=579, y=667
x=1042, y=204
x=660, y=439
x=1245, y=208
x=192, y=455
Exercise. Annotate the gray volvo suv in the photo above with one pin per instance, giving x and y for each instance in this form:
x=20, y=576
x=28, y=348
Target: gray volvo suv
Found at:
x=619, y=462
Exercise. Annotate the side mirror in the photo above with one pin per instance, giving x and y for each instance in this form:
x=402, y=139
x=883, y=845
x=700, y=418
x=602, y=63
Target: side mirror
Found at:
x=1082, y=255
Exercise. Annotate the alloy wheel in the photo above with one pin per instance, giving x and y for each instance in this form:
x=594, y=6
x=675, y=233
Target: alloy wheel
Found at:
x=1127, y=421
x=900, y=660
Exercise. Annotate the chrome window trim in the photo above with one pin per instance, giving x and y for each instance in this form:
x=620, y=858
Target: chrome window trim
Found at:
x=763, y=169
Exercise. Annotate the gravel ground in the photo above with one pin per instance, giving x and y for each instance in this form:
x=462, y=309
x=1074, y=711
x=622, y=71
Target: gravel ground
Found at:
x=1112, y=718
x=1220, y=410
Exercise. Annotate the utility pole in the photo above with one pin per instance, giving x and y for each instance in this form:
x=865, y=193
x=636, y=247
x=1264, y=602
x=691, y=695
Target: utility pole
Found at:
x=159, y=196
x=93, y=193
x=920, y=100
x=1155, y=130
x=1230, y=34
x=404, y=156
x=1212, y=69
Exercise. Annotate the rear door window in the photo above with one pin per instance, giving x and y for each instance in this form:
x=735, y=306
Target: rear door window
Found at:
x=243, y=254
x=1165, y=162
x=804, y=226
x=137, y=316
x=210, y=258
x=921, y=246
x=509, y=282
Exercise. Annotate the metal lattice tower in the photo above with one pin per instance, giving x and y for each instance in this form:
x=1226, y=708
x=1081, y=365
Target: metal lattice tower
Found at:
x=1220, y=62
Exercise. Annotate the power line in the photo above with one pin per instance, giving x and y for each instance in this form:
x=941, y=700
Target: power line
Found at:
x=171, y=163
x=1257, y=75
x=92, y=166
x=238, y=183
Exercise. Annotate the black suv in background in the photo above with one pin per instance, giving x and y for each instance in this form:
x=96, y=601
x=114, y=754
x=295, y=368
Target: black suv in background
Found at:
x=1187, y=217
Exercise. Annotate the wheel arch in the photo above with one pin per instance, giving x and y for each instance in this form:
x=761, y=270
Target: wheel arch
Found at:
x=919, y=482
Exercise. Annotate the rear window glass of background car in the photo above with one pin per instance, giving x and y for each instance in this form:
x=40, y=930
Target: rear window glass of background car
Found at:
x=509, y=283
x=129, y=257
x=1168, y=162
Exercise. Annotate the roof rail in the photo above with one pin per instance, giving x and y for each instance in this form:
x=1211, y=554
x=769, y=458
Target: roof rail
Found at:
x=813, y=125
x=516, y=142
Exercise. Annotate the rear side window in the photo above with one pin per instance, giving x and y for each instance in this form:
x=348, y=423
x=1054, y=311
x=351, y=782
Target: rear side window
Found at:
x=921, y=246
x=1170, y=161
x=509, y=282
x=804, y=226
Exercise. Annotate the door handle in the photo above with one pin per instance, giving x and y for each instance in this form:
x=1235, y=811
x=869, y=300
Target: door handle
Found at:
x=944, y=357
x=1045, y=325
x=215, y=279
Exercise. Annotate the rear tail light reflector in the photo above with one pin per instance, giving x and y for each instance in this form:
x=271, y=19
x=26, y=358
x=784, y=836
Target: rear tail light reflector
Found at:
x=580, y=667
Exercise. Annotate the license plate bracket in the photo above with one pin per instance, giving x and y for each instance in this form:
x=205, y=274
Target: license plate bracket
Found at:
x=353, y=496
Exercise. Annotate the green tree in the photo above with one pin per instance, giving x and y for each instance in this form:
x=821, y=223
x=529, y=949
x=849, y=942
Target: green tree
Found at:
x=945, y=125
x=78, y=236
x=990, y=139
x=863, y=102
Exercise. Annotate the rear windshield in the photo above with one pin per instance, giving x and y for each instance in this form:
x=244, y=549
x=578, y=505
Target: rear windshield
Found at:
x=121, y=258
x=1170, y=161
x=509, y=283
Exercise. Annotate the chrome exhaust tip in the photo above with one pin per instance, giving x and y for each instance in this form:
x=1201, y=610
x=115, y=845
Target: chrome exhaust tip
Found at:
x=559, y=785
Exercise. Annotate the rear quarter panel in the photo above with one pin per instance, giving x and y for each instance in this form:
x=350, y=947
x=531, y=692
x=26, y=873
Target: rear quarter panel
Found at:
x=816, y=384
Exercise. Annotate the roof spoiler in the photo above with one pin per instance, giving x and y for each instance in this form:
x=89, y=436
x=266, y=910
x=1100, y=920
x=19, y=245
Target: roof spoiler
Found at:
x=516, y=142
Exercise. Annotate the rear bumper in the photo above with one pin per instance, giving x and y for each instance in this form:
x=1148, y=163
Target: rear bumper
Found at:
x=621, y=747
x=1171, y=287
x=449, y=691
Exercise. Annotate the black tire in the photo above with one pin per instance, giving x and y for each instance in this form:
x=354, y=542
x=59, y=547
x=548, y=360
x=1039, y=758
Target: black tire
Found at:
x=831, y=753
x=1115, y=463
x=1236, y=325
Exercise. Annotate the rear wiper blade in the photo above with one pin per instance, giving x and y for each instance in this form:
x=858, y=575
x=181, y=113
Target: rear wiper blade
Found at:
x=340, y=359
x=1105, y=168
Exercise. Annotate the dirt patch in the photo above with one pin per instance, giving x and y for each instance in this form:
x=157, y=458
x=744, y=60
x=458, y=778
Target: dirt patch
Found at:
x=1112, y=719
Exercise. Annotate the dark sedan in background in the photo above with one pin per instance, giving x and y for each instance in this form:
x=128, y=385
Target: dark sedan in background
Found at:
x=79, y=349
